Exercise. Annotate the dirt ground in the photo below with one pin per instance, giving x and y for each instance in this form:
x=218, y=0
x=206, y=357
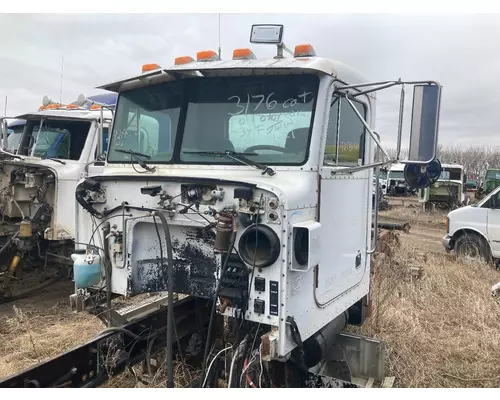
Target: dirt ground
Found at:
x=435, y=313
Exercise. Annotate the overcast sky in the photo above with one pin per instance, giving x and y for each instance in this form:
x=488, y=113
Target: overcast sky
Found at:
x=462, y=52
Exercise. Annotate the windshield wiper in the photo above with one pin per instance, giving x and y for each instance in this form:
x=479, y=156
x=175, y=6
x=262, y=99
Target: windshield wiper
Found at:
x=133, y=153
x=54, y=159
x=136, y=155
x=240, y=157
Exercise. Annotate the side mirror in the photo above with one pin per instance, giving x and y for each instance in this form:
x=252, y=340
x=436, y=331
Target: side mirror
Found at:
x=424, y=123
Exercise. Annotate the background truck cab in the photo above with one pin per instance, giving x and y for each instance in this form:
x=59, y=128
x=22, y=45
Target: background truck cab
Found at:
x=449, y=190
x=397, y=185
x=53, y=151
x=490, y=182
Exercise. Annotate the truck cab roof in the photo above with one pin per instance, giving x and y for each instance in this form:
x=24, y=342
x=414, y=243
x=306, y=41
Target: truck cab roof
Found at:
x=452, y=166
x=316, y=65
x=67, y=114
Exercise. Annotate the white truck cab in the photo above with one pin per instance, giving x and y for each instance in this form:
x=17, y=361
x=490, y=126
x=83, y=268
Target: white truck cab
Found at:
x=245, y=183
x=396, y=183
x=54, y=150
x=474, y=230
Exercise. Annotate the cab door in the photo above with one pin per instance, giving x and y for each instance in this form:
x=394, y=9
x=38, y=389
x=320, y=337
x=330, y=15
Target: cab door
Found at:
x=345, y=204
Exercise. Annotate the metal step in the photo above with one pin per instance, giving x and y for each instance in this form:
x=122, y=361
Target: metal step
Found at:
x=134, y=310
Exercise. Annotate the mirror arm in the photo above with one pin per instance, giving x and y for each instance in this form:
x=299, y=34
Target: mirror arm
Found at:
x=375, y=89
x=337, y=134
x=387, y=84
x=400, y=123
x=360, y=85
x=349, y=170
x=375, y=225
x=99, y=139
x=2, y=151
x=374, y=137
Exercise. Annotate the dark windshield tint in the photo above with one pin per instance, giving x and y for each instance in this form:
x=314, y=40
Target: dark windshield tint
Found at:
x=396, y=175
x=270, y=116
x=52, y=143
x=451, y=174
x=64, y=139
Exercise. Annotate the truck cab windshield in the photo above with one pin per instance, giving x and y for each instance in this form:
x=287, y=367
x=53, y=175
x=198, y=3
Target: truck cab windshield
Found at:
x=493, y=174
x=51, y=143
x=267, y=118
x=451, y=174
x=396, y=175
x=60, y=139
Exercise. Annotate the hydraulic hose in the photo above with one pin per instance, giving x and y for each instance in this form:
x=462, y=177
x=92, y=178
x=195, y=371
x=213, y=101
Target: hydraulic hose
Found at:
x=170, y=301
x=107, y=268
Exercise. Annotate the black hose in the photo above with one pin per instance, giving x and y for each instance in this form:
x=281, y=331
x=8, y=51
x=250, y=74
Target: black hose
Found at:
x=107, y=269
x=148, y=357
x=212, y=313
x=170, y=312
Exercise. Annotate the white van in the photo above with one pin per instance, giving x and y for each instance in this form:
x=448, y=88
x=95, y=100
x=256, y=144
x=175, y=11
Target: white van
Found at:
x=474, y=230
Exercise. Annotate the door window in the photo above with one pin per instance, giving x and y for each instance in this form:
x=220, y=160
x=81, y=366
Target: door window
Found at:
x=351, y=134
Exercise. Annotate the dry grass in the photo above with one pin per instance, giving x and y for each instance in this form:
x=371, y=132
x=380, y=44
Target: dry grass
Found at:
x=442, y=330
x=32, y=336
x=184, y=376
x=414, y=214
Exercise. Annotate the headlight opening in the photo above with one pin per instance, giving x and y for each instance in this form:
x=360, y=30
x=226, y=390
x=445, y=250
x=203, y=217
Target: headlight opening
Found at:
x=259, y=246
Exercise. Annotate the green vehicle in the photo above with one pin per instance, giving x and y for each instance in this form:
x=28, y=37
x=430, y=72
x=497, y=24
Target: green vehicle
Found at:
x=490, y=182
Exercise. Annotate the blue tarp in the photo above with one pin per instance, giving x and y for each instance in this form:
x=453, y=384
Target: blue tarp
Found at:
x=108, y=99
